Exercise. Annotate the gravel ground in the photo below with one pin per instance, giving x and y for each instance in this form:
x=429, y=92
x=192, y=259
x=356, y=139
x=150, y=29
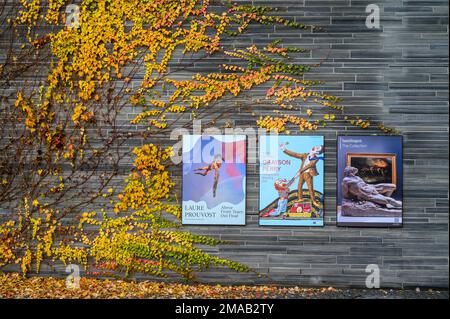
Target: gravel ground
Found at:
x=377, y=294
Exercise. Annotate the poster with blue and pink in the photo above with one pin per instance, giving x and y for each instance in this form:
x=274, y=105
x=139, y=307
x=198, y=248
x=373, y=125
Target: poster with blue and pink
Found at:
x=291, y=180
x=214, y=179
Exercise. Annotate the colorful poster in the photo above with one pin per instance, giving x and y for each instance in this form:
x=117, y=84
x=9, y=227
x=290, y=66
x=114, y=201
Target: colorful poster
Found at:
x=370, y=181
x=214, y=177
x=291, y=180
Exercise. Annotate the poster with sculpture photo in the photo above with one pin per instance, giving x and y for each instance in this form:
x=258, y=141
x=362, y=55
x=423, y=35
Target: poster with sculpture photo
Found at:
x=370, y=181
x=214, y=177
x=291, y=180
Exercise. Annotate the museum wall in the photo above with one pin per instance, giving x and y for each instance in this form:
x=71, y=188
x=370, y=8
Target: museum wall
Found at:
x=397, y=74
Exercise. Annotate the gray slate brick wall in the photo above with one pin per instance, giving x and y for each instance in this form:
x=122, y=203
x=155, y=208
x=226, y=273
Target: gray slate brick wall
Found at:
x=397, y=74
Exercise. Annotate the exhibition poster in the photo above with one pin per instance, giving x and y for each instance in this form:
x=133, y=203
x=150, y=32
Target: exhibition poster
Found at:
x=214, y=179
x=370, y=181
x=291, y=180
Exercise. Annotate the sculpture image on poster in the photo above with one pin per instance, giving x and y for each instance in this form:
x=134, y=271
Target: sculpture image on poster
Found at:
x=291, y=180
x=214, y=177
x=370, y=185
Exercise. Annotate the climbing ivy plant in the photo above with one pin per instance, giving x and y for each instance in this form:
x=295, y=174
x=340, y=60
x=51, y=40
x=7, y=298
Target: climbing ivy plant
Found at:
x=63, y=131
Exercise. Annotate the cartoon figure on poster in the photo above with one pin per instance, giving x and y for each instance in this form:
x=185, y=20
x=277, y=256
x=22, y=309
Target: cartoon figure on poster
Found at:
x=300, y=206
x=307, y=170
x=282, y=187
